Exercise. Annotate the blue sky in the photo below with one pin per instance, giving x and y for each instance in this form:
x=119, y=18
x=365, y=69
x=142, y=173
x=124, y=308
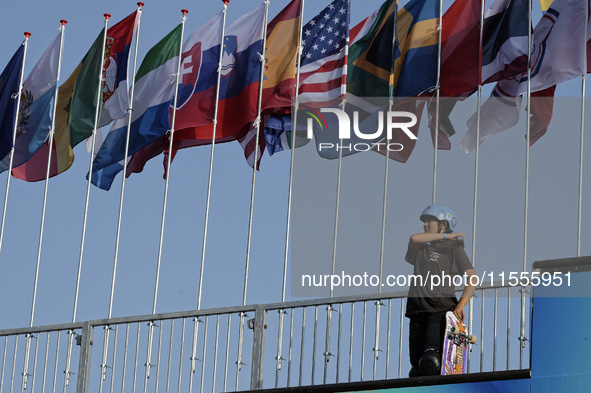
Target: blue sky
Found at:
x=553, y=196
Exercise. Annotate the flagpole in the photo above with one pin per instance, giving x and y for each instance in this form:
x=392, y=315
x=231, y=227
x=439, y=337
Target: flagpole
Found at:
x=129, y=110
x=287, y=225
x=18, y=101
x=437, y=101
x=129, y=118
x=96, y=120
x=18, y=98
x=476, y=164
x=171, y=139
x=581, y=149
x=151, y=324
x=257, y=123
x=184, y=18
x=93, y=143
x=213, y=139
x=522, y=337
x=119, y=218
x=196, y=320
x=289, y=194
x=378, y=303
x=63, y=22
x=129, y=114
x=329, y=308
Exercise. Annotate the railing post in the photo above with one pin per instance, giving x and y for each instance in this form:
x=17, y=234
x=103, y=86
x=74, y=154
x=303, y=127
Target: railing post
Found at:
x=258, y=348
x=86, y=341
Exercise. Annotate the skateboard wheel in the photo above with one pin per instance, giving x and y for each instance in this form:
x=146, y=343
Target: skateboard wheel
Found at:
x=472, y=339
x=455, y=330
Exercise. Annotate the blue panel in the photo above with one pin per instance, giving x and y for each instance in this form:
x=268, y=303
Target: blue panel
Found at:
x=561, y=336
x=576, y=284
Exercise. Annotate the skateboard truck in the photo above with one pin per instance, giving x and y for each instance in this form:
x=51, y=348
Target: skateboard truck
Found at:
x=456, y=342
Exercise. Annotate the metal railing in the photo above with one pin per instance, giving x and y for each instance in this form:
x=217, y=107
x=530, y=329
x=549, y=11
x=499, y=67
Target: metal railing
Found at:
x=344, y=339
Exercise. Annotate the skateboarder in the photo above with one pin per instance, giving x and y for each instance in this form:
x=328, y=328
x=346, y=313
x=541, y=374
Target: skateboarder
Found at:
x=437, y=255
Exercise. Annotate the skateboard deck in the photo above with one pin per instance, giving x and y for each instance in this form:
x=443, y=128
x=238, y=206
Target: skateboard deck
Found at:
x=455, y=342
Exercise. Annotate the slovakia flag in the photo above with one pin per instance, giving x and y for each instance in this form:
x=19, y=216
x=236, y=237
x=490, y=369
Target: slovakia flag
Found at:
x=239, y=86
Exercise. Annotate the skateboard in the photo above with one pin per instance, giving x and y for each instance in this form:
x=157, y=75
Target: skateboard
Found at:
x=453, y=360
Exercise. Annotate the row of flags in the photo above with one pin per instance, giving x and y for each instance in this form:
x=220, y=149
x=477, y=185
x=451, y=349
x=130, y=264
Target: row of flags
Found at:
x=392, y=53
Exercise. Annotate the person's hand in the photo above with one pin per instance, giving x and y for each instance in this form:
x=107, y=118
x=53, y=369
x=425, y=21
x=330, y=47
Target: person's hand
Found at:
x=459, y=312
x=453, y=235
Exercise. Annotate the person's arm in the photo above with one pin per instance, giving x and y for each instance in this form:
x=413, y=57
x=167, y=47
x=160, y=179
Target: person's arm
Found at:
x=466, y=295
x=419, y=238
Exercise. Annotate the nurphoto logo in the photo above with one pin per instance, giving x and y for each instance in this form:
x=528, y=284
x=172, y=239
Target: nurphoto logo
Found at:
x=363, y=141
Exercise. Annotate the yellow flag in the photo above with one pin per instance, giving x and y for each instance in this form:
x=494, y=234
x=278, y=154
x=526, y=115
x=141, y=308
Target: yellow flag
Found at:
x=545, y=4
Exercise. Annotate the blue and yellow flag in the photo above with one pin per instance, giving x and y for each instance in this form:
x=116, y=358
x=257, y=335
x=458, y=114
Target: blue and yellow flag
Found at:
x=415, y=69
x=371, y=71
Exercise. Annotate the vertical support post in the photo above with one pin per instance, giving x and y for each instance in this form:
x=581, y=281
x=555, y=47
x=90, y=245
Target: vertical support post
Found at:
x=239, y=362
x=85, y=357
x=67, y=371
x=258, y=348
x=105, y=354
x=194, y=359
x=279, y=358
x=29, y=336
x=327, y=354
x=148, y=364
x=376, y=347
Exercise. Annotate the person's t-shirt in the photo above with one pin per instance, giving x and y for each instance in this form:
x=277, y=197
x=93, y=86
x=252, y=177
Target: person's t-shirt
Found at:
x=435, y=266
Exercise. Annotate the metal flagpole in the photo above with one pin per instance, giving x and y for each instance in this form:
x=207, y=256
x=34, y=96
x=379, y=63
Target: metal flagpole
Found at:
x=329, y=308
x=522, y=337
x=171, y=136
x=214, y=129
x=184, y=18
x=289, y=195
x=18, y=102
x=476, y=161
x=257, y=123
x=437, y=102
x=378, y=303
x=581, y=151
x=93, y=143
x=196, y=320
x=50, y=136
x=129, y=114
x=129, y=118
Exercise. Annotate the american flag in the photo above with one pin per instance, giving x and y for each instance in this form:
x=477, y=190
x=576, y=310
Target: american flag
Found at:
x=248, y=143
x=323, y=71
